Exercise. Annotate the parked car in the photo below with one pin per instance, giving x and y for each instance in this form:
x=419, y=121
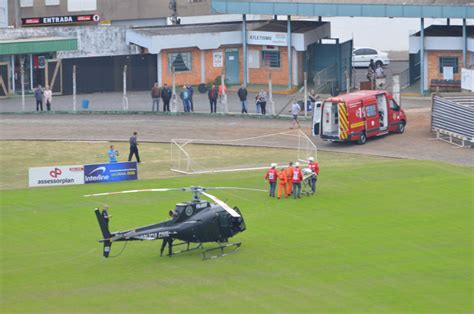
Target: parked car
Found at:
x=361, y=57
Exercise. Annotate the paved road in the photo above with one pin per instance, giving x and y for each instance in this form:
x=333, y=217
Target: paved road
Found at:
x=416, y=143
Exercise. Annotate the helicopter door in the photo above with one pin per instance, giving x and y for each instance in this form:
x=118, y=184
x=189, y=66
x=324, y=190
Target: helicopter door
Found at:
x=225, y=225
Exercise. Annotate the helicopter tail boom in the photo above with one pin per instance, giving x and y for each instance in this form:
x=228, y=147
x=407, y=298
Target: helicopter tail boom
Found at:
x=105, y=233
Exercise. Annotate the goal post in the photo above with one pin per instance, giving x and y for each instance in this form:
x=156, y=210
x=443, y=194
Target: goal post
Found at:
x=195, y=156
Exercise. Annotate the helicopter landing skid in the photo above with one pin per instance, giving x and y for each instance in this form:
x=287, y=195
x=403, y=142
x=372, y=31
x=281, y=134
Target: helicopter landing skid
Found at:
x=187, y=247
x=235, y=246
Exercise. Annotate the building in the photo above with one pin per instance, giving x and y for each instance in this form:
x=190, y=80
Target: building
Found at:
x=201, y=53
x=443, y=56
x=115, y=12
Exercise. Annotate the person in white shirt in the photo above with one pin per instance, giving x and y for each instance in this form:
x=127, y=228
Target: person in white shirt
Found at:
x=295, y=110
x=48, y=97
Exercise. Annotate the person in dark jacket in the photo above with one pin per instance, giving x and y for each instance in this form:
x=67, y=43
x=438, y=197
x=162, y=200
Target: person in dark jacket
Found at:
x=191, y=92
x=155, y=97
x=39, y=98
x=213, y=94
x=166, y=94
x=133, y=147
x=242, y=93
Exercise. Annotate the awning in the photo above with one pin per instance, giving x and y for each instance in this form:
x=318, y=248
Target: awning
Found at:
x=37, y=45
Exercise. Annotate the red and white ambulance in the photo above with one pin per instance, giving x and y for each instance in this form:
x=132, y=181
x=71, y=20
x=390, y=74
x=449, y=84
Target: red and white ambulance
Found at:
x=360, y=115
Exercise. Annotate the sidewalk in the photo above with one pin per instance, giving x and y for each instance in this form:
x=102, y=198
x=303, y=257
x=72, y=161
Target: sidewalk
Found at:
x=140, y=102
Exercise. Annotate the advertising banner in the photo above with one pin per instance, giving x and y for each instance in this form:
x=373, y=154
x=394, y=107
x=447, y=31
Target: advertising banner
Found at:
x=56, y=175
x=113, y=172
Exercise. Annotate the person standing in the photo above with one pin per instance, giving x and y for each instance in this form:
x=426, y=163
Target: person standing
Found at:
x=312, y=98
x=134, y=147
x=282, y=184
x=39, y=98
x=242, y=93
x=166, y=94
x=155, y=97
x=313, y=165
x=271, y=176
x=297, y=178
x=262, y=99
x=184, y=95
x=191, y=92
x=289, y=178
x=48, y=97
x=112, y=153
x=213, y=94
x=295, y=110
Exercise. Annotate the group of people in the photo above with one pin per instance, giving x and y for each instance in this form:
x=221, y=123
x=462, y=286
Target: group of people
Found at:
x=375, y=71
x=163, y=93
x=215, y=94
x=113, y=154
x=290, y=178
x=43, y=96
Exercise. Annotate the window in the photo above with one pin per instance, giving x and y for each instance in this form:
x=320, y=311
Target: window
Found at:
x=26, y=3
x=369, y=51
x=393, y=105
x=371, y=110
x=180, y=61
x=81, y=5
x=359, y=52
x=51, y=2
x=448, y=62
x=270, y=59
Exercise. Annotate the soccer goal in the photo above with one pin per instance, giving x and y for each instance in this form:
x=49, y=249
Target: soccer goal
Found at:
x=194, y=156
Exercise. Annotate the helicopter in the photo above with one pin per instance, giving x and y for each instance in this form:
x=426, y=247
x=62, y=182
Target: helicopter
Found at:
x=194, y=222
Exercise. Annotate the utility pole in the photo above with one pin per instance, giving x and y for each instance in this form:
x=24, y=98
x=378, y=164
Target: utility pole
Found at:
x=17, y=9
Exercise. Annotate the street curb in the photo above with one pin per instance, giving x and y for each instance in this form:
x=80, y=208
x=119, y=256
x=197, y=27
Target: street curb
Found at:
x=200, y=114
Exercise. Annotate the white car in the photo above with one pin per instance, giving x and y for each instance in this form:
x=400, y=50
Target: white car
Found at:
x=361, y=57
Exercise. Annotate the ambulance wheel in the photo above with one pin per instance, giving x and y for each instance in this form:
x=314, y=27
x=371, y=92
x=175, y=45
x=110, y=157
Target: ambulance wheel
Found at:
x=401, y=127
x=362, y=139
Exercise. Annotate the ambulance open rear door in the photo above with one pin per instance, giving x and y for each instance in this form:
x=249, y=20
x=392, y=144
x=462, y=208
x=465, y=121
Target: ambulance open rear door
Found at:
x=316, y=118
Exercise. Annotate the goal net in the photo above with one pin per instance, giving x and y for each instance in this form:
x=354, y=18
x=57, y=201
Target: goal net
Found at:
x=194, y=156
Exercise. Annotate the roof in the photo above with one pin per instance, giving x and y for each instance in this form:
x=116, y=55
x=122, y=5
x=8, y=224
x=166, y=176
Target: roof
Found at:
x=264, y=26
x=366, y=8
x=356, y=96
x=446, y=31
x=37, y=45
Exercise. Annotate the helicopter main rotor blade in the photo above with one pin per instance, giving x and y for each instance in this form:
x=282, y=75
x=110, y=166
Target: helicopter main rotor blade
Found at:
x=135, y=191
x=230, y=210
x=234, y=188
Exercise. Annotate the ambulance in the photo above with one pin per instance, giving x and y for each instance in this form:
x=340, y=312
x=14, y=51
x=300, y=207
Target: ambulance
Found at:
x=358, y=116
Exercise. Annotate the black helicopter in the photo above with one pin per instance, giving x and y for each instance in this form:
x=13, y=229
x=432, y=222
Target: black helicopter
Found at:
x=196, y=221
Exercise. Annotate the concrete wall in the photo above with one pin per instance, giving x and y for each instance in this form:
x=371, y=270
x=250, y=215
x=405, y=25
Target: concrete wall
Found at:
x=256, y=75
x=93, y=41
x=3, y=13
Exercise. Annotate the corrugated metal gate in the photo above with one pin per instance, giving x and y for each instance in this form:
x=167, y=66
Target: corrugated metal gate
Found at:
x=452, y=118
x=334, y=56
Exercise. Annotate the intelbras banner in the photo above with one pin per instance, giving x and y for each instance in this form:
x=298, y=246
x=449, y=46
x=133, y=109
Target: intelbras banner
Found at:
x=69, y=175
x=113, y=172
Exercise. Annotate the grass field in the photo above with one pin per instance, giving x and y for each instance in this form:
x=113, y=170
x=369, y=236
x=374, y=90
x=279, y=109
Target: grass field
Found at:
x=381, y=235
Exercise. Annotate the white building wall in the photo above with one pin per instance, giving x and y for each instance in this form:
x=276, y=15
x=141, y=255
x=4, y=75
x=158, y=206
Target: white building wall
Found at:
x=93, y=41
x=3, y=13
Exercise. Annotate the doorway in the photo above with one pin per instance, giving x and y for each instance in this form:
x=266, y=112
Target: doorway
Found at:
x=232, y=66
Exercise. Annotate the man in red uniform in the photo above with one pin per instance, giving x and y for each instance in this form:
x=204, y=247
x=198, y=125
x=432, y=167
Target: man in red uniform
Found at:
x=271, y=176
x=297, y=178
x=282, y=183
x=313, y=165
x=289, y=178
